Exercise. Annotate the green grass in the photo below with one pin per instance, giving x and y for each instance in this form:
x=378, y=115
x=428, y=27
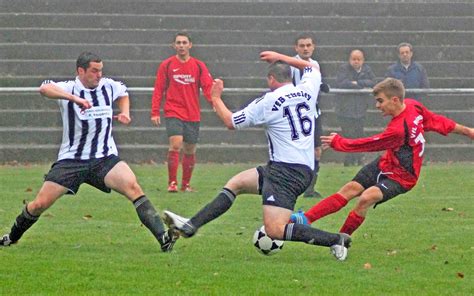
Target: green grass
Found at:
x=412, y=245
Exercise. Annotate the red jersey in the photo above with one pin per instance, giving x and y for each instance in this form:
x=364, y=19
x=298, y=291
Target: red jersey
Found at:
x=403, y=139
x=181, y=82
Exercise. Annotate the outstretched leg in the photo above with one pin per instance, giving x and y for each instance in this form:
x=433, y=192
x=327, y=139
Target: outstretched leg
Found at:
x=48, y=194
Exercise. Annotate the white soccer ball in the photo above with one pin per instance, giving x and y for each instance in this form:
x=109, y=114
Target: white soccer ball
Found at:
x=265, y=244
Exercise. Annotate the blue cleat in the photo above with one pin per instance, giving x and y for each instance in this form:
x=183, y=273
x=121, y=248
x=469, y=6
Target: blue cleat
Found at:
x=299, y=218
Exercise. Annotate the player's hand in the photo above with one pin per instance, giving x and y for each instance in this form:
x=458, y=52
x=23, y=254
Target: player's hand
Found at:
x=217, y=88
x=123, y=118
x=327, y=140
x=83, y=103
x=156, y=120
x=270, y=56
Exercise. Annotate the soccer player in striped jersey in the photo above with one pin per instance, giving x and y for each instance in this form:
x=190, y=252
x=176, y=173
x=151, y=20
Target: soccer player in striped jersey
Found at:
x=88, y=153
x=304, y=47
x=179, y=79
x=397, y=170
x=287, y=113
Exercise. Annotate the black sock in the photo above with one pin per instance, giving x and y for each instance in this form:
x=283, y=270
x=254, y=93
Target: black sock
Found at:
x=214, y=209
x=147, y=214
x=22, y=223
x=310, y=235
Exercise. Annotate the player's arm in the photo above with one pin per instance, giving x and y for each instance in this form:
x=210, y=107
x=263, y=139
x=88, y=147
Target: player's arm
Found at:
x=123, y=103
x=272, y=56
x=388, y=139
x=206, y=83
x=221, y=109
x=463, y=130
x=52, y=91
x=157, y=96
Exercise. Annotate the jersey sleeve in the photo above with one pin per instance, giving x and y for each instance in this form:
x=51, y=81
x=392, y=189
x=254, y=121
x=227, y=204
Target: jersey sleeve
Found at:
x=119, y=89
x=159, y=88
x=389, y=139
x=311, y=79
x=252, y=115
x=437, y=123
x=206, y=82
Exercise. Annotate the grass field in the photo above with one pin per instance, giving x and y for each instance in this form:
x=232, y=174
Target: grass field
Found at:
x=421, y=243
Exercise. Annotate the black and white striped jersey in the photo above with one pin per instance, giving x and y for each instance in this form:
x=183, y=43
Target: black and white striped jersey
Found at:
x=88, y=134
x=296, y=75
x=288, y=115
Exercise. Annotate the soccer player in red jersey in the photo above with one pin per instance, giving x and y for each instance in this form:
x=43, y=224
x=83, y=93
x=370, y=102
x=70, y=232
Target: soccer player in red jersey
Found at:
x=398, y=169
x=179, y=78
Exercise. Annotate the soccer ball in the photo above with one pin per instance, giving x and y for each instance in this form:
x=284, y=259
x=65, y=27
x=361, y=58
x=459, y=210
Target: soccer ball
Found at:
x=265, y=244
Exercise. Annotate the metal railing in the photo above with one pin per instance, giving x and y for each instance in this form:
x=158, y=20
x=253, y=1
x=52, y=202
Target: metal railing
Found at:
x=255, y=90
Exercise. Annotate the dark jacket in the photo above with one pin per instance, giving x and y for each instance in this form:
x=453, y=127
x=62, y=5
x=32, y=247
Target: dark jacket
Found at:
x=353, y=105
x=413, y=77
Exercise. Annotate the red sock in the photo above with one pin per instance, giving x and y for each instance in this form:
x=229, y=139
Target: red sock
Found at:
x=325, y=207
x=173, y=162
x=188, y=165
x=353, y=222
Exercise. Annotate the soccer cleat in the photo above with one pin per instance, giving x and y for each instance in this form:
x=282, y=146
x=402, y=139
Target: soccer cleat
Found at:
x=173, y=187
x=187, y=188
x=299, y=218
x=168, y=239
x=5, y=241
x=180, y=224
x=340, y=250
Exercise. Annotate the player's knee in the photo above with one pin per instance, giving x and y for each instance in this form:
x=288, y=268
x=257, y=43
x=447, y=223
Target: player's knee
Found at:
x=274, y=231
x=37, y=207
x=366, y=201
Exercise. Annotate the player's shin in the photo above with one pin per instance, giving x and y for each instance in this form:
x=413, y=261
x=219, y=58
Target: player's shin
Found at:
x=214, y=209
x=309, y=235
x=22, y=223
x=352, y=222
x=148, y=216
x=325, y=207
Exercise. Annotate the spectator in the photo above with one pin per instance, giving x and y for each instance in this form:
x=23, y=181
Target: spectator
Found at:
x=180, y=77
x=411, y=73
x=351, y=109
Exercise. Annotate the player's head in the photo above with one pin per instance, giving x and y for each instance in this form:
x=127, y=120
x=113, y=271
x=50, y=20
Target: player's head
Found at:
x=389, y=95
x=356, y=59
x=89, y=69
x=279, y=73
x=182, y=44
x=405, y=53
x=305, y=46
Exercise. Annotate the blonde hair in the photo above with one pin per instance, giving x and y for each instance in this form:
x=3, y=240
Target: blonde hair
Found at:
x=391, y=87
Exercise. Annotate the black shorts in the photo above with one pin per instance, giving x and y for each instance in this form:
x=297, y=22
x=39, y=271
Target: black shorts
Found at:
x=280, y=184
x=370, y=175
x=71, y=173
x=188, y=129
x=318, y=131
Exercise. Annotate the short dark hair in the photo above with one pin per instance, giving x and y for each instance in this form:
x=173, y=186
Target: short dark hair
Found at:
x=85, y=58
x=184, y=34
x=305, y=36
x=280, y=71
x=391, y=87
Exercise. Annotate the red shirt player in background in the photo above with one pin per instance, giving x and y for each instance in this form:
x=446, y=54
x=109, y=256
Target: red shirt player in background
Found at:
x=179, y=78
x=398, y=169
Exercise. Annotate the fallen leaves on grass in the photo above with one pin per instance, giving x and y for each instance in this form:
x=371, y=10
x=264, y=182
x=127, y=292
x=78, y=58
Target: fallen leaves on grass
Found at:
x=447, y=209
x=367, y=265
x=434, y=248
x=87, y=217
x=28, y=189
x=460, y=275
x=391, y=252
